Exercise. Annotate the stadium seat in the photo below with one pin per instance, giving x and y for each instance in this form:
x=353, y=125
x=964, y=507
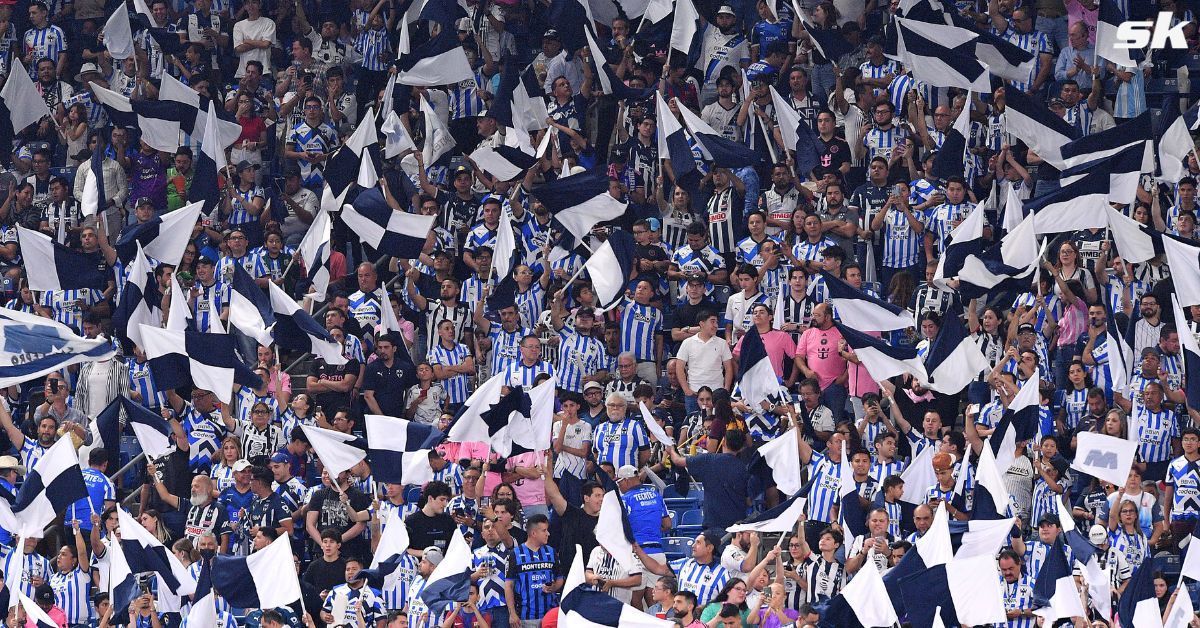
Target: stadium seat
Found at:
x=690, y=523
x=682, y=504
x=676, y=547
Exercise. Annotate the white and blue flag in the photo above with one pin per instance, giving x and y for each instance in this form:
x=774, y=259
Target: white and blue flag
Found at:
x=399, y=449
x=52, y=266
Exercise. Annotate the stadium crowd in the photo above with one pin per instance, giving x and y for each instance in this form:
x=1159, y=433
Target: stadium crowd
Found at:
x=747, y=249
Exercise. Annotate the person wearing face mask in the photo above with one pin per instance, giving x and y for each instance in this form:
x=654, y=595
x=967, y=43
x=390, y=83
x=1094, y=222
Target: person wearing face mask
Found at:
x=206, y=546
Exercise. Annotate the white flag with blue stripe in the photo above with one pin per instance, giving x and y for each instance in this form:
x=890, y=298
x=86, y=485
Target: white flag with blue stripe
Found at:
x=32, y=346
x=399, y=449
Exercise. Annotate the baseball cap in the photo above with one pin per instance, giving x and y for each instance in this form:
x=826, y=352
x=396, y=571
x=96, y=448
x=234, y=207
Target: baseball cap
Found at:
x=588, y=386
x=1097, y=534
x=1056, y=102
x=627, y=472
x=461, y=170
x=241, y=465
x=280, y=457
x=1026, y=328
x=432, y=554
x=655, y=224
x=551, y=34
x=1048, y=519
x=44, y=594
x=243, y=165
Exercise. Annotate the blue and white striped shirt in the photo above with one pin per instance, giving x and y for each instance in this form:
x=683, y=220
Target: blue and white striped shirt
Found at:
x=396, y=596
x=71, y=594
x=209, y=303
x=827, y=483
x=704, y=581
x=506, y=347
x=322, y=139
x=618, y=442
x=375, y=47
x=141, y=381
x=882, y=470
x=640, y=327
x=35, y=565
x=578, y=357
x=943, y=219
x=1018, y=596
x=901, y=244
x=1135, y=547
x=1035, y=42
x=456, y=386
x=44, y=43
x=1155, y=434
x=465, y=101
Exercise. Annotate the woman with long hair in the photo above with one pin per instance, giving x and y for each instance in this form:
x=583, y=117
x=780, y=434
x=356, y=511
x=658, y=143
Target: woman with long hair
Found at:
x=724, y=419
x=74, y=132
x=1126, y=536
x=152, y=521
x=222, y=470
x=253, y=138
x=676, y=214
x=1072, y=401
x=825, y=18
x=729, y=602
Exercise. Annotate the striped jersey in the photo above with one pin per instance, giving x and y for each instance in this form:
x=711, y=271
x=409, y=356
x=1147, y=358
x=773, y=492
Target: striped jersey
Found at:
x=880, y=471
x=1134, y=546
x=524, y=375
x=141, y=381
x=806, y=250
x=930, y=298
x=396, y=596
x=71, y=594
x=375, y=49
x=749, y=250
x=725, y=207
x=457, y=385
x=209, y=303
x=704, y=581
x=529, y=570
x=529, y=304
x=1154, y=432
x=1018, y=596
x=901, y=244
x=578, y=356
x=1073, y=403
x=618, y=442
x=640, y=327
x=1035, y=42
x=44, y=43
x=465, y=100
x=239, y=210
x=881, y=142
x=36, y=566
x=827, y=482
x=706, y=260
x=506, y=347
x=943, y=219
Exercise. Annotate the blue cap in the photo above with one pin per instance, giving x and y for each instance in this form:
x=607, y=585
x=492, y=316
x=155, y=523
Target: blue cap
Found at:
x=655, y=224
x=280, y=457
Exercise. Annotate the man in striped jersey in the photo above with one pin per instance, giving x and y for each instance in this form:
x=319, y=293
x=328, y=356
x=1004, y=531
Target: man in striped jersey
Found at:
x=1018, y=590
x=503, y=339
x=580, y=354
x=1021, y=33
x=621, y=440
x=726, y=206
x=525, y=371
x=641, y=329
x=702, y=574
x=534, y=576
x=44, y=40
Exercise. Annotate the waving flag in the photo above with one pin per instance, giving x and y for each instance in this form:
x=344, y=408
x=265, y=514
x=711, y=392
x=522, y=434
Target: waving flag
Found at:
x=94, y=200
x=144, y=552
x=1123, y=169
x=953, y=152
x=941, y=55
x=206, y=361
x=1079, y=205
x=25, y=104
x=580, y=202
x=954, y=359
x=863, y=311
x=882, y=359
x=1055, y=587
x=1184, y=260
x=141, y=302
x=297, y=330
x=867, y=596
x=440, y=61
x=1096, y=146
x=52, y=266
x=158, y=121
x=1191, y=357
x=827, y=41
x=399, y=234
x=399, y=449
x=1003, y=58
x=249, y=309
x=588, y=607
x=720, y=150
x=210, y=163
x=797, y=135
x=314, y=250
x=757, y=379
x=506, y=163
x=1176, y=142
x=264, y=579
x=354, y=161
x=163, y=238
x=991, y=494
x=1108, y=22
x=118, y=37
x=1137, y=606
x=782, y=456
x=152, y=431
x=32, y=346
x=850, y=508
x=389, y=556
x=781, y=518
x=610, y=268
x=53, y=484
x=684, y=27
x=1036, y=125
x=337, y=451
x=450, y=581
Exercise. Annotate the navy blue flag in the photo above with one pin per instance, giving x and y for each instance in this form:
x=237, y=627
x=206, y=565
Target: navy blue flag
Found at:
x=201, y=360
x=1106, y=142
x=598, y=608
x=152, y=431
x=611, y=267
x=51, y=486
x=399, y=234
x=264, y=579
x=829, y=42
x=951, y=349
x=923, y=593
x=52, y=266
x=580, y=201
x=809, y=147
x=1054, y=567
x=1139, y=591
x=444, y=12
x=168, y=41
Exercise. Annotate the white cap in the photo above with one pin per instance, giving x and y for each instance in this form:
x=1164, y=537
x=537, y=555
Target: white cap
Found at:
x=627, y=472
x=1097, y=534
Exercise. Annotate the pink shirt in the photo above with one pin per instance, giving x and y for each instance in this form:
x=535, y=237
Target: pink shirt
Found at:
x=477, y=450
x=860, y=381
x=1076, y=12
x=779, y=345
x=820, y=351
x=55, y=613
x=530, y=491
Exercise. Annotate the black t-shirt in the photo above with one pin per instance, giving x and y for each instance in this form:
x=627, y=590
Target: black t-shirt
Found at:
x=576, y=527
x=326, y=575
x=175, y=474
x=331, y=401
x=654, y=253
x=388, y=385
x=331, y=513
x=835, y=153
x=424, y=530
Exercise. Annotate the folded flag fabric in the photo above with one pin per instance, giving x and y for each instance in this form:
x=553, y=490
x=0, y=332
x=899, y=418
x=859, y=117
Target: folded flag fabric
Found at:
x=337, y=451
x=152, y=431
x=399, y=234
x=297, y=330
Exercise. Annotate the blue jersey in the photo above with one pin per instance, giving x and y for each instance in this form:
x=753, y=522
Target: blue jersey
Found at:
x=901, y=243
x=640, y=327
x=209, y=303
x=646, y=509
x=1018, y=596
x=491, y=587
x=1183, y=476
x=44, y=43
x=375, y=48
x=618, y=443
x=366, y=308
x=806, y=250
x=1135, y=546
x=1074, y=405
x=204, y=434
x=239, y=210
x=141, y=381
x=529, y=570
x=827, y=482
x=1034, y=42
x=321, y=139
x=944, y=218
x=520, y=374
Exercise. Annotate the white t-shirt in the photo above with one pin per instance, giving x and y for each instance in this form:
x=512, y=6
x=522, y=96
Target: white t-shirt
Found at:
x=731, y=560
x=704, y=361
x=577, y=434
x=262, y=28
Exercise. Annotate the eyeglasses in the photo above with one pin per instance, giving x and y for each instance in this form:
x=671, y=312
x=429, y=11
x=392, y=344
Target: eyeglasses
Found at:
x=237, y=237
x=312, y=106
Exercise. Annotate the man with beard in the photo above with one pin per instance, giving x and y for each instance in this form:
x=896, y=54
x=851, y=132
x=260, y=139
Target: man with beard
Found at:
x=205, y=515
x=47, y=428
